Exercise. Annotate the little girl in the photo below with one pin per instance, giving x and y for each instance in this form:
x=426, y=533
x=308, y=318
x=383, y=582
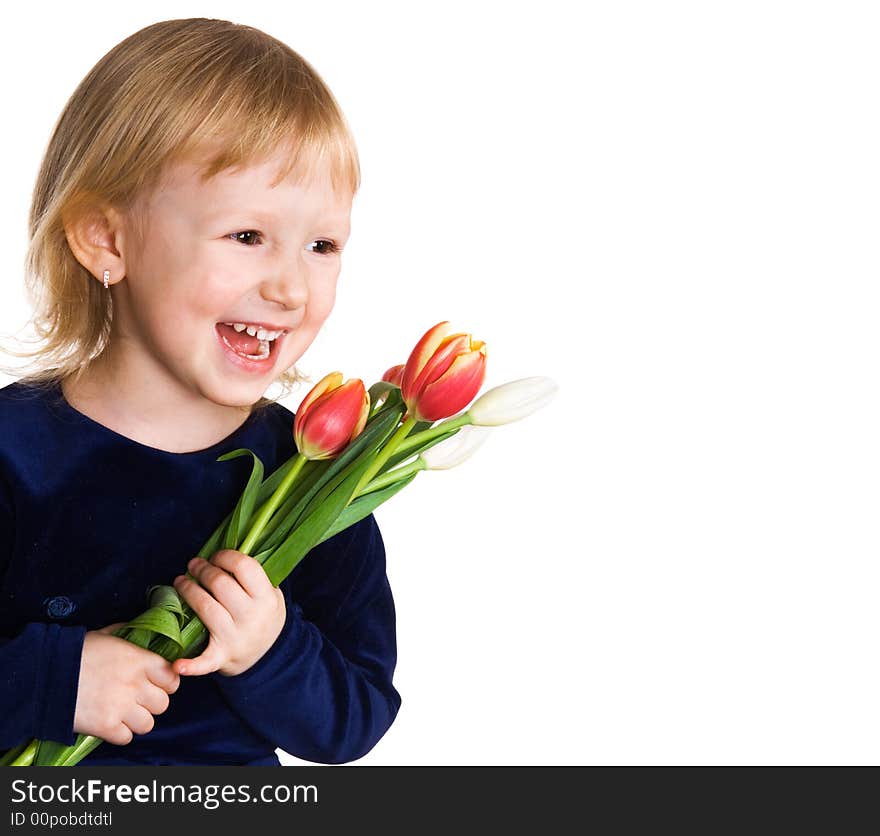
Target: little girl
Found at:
x=185, y=240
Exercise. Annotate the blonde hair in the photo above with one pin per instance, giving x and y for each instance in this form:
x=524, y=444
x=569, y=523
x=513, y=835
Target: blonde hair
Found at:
x=178, y=90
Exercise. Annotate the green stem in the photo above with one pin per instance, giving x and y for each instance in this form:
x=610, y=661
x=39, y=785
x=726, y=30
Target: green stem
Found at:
x=85, y=745
x=426, y=435
x=273, y=502
x=384, y=454
x=393, y=476
x=26, y=757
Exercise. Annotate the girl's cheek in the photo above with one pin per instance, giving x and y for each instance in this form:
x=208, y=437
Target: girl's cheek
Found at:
x=325, y=300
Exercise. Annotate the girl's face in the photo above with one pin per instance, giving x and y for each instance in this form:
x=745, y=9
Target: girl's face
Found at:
x=232, y=250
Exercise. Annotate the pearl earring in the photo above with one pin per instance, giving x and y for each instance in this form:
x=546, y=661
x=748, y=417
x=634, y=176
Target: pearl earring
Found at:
x=106, y=279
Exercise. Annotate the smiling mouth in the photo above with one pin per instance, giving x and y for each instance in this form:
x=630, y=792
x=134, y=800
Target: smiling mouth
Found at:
x=248, y=345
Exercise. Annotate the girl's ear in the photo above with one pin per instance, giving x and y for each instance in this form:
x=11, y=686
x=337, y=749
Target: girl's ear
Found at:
x=96, y=239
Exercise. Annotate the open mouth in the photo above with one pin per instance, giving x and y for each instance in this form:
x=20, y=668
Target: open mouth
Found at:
x=259, y=347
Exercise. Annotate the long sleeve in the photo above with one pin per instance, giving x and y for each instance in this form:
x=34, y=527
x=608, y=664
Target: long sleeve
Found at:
x=40, y=676
x=323, y=691
x=40, y=668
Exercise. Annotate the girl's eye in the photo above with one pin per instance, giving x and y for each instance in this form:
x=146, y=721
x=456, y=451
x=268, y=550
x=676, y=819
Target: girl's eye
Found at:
x=235, y=235
x=330, y=247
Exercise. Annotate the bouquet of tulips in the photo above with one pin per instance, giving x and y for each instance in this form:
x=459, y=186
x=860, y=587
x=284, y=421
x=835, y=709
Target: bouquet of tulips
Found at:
x=355, y=449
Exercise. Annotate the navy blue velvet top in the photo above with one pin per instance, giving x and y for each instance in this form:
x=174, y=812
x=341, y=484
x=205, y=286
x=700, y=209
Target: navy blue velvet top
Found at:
x=89, y=519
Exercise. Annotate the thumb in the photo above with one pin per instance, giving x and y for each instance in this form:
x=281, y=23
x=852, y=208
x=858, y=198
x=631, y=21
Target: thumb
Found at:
x=207, y=662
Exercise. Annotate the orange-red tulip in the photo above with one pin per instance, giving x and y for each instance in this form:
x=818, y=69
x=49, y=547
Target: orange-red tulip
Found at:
x=330, y=416
x=391, y=376
x=443, y=373
x=394, y=374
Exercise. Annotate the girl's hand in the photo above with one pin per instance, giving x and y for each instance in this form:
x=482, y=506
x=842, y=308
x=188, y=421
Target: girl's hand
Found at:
x=121, y=686
x=243, y=612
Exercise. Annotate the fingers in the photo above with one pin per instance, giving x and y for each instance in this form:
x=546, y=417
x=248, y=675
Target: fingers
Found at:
x=155, y=700
x=216, y=616
x=209, y=661
x=164, y=676
x=229, y=594
x=136, y=721
x=120, y=735
x=245, y=570
x=222, y=585
x=139, y=720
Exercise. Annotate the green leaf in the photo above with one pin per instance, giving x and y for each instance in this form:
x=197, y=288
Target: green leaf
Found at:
x=141, y=638
x=213, y=544
x=376, y=391
x=165, y=597
x=11, y=754
x=49, y=753
x=304, y=537
x=260, y=557
x=84, y=745
x=157, y=620
x=241, y=515
x=363, y=506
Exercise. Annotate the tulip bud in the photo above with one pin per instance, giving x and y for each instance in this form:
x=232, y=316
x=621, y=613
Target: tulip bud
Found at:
x=454, y=450
x=330, y=417
x=391, y=376
x=443, y=373
x=394, y=374
x=511, y=401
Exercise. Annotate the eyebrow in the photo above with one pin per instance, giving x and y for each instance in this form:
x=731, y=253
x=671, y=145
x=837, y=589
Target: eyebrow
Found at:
x=339, y=224
x=262, y=215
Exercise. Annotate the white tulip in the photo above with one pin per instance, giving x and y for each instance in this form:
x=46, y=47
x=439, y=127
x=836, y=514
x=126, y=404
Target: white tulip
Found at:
x=454, y=450
x=511, y=401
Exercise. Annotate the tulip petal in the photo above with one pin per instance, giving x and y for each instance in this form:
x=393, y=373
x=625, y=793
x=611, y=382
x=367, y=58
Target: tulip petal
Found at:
x=365, y=413
x=394, y=374
x=440, y=361
x=325, y=384
x=331, y=421
x=420, y=355
x=512, y=401
x=456, y=388
x=452, y=451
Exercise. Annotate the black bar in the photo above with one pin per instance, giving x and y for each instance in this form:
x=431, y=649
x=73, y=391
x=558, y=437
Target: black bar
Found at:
x=545, y=800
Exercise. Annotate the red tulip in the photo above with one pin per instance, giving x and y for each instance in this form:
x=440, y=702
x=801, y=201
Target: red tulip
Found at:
x=394, y=374
x=391, y=376
x=443, y=373
x=331, y=416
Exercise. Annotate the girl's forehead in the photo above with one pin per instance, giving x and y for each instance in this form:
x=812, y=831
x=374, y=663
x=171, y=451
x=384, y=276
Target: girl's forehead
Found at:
x=264, y=179
x=267, y=172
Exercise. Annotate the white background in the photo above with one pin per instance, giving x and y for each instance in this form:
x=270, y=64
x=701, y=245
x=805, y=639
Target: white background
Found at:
x=672, y=210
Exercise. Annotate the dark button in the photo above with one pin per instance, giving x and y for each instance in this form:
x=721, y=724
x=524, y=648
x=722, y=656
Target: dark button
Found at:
x=59, y=607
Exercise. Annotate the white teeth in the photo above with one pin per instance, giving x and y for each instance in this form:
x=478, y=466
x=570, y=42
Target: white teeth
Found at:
x=255, y=330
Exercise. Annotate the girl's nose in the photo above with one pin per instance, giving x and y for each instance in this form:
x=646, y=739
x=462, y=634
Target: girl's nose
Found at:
x=288, y=287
